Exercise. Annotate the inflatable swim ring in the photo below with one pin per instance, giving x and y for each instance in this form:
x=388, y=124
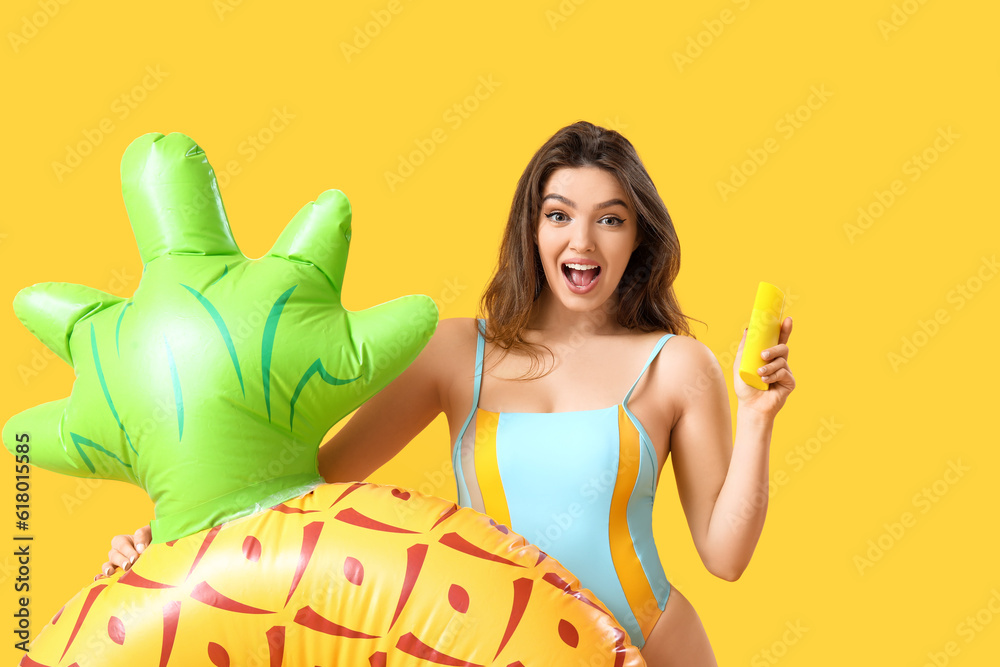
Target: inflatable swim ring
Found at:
x=350, y=574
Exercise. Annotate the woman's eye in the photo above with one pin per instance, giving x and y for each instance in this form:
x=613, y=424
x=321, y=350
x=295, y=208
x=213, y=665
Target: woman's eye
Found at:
x=612, y=221
x=557, y=216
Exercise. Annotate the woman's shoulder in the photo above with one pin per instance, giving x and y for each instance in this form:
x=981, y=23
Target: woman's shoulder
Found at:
x=456, y=330
x=678, y=342
x=688, y=358
x=453, y=354
x=453, y=337
x=450, y=351
x=685, y=344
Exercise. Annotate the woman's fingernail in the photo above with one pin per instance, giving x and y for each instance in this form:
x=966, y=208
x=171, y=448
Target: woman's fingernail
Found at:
x=765, y=354
x=140, y=547
x=107, y=572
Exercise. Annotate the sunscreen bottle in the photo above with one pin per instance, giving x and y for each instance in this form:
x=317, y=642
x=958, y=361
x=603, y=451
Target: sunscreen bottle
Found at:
x=762, y=332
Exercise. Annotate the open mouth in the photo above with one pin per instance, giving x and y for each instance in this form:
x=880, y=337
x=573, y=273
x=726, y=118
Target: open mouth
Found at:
x=581, y=275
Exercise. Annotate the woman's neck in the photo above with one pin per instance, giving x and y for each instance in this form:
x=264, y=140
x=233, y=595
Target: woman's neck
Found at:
x=554, y=320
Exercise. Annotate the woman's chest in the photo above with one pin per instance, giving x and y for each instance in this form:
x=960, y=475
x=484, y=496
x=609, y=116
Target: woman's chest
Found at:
x=564, y=378
x=576, y=391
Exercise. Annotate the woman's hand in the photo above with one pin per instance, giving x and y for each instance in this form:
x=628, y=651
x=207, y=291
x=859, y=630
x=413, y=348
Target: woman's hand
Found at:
x=773, y=370
x=125, y=549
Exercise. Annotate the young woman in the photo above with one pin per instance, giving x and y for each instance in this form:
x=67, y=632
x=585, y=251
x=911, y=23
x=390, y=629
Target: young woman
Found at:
x=564, y=405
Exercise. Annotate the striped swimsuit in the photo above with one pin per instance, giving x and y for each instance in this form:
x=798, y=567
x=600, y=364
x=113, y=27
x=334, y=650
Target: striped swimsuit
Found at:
x=579, y=485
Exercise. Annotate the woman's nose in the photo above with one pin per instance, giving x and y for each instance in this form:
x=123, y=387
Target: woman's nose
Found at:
x=582, y=238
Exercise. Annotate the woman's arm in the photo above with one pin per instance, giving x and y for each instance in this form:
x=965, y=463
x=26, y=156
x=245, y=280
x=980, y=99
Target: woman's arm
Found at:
x=724, y=487
x=386, y=422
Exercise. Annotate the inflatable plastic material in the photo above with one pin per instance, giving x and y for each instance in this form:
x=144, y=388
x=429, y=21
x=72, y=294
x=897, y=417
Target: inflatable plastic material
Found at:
x=212, y=388
x=350, y=574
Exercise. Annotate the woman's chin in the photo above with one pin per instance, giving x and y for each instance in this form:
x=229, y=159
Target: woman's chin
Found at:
x=591, y=302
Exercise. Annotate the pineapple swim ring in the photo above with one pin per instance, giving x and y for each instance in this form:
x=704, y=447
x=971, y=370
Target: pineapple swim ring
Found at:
x=254, y=561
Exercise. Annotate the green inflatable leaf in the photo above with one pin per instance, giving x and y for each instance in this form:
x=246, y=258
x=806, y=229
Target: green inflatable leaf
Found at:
x=214, y=385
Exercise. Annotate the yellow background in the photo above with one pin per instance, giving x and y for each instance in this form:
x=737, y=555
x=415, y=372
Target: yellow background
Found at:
x=876, y=433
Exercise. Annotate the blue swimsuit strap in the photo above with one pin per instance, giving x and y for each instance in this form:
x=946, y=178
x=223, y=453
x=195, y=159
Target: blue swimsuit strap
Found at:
x=652, y=355
x=480, y=347
x=643, y=436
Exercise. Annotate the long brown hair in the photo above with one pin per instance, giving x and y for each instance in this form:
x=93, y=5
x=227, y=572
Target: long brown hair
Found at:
x=646, y=299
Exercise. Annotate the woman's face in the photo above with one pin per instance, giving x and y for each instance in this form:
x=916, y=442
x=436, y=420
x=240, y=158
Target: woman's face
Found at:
x=587, y=231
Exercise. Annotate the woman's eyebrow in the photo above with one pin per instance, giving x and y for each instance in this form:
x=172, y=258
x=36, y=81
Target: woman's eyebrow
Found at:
x=560, y=198
x=568, y=202
x=610, y=203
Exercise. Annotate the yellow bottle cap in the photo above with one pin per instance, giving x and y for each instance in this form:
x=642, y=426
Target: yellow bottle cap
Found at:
x=769, y=299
